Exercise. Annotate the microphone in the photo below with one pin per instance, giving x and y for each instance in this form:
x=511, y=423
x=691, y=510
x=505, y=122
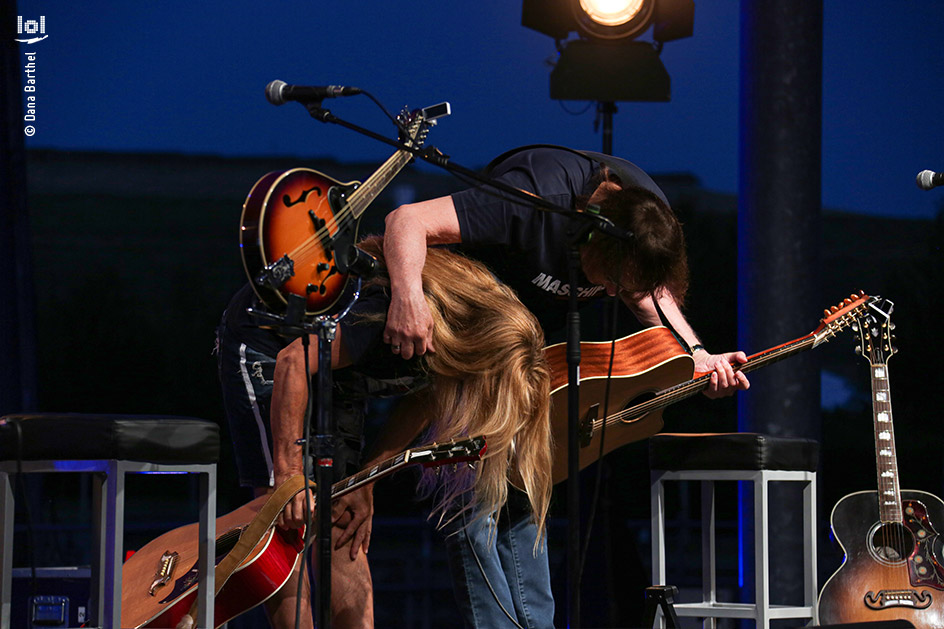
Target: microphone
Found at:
x=928, y=179
x=280, y=92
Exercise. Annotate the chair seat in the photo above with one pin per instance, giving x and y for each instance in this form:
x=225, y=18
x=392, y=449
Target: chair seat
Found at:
x=78, y=436
x=110, y=446
x=731, y=451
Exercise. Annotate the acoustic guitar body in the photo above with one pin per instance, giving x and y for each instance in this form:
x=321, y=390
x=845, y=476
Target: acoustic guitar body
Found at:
x=891, y=571
x=263, y=572
x=645, y=362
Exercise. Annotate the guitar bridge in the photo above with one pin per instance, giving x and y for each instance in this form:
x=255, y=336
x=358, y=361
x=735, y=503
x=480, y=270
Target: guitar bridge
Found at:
x=165, y=571
x=276, y=273
x=585, y=427
x=898, y=598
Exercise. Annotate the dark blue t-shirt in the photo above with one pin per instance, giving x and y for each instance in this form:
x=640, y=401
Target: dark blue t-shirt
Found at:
x=527, y=248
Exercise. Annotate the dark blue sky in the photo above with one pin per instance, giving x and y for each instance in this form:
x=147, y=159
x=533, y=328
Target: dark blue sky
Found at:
x=189, y=77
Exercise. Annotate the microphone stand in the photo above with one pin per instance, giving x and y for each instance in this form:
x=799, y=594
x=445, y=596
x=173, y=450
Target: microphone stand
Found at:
x=360, y=264
x=583, y=222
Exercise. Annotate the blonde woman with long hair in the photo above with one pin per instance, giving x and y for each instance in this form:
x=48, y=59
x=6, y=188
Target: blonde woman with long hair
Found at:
x=488, y=377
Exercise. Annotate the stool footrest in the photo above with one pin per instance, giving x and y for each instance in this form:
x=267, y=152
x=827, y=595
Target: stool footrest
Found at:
x=740, y=610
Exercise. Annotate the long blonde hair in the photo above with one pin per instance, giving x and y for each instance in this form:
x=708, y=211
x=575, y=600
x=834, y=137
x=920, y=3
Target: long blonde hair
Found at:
x=490, y=378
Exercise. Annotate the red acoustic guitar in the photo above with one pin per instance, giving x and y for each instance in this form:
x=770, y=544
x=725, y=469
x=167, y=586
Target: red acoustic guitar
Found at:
x=893, y=565
x=159, y=581
x=295, y=224
x=650, y=371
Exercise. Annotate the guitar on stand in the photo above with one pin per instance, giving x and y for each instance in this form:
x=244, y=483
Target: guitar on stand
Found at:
x=893, y=565
x=298, y=226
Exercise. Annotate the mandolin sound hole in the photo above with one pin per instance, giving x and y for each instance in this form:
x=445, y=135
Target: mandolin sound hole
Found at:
x=891, y=543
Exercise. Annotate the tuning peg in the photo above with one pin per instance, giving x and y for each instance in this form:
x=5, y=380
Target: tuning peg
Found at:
x=891, y=326
x=854, y=327
x=858, y=349
x=826, y=312
x=847, y=301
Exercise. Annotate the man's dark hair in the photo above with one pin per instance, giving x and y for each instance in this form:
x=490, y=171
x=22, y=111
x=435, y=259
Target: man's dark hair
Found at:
x=653, y=258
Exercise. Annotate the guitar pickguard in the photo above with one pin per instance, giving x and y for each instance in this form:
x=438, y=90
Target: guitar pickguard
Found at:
x=924, y=565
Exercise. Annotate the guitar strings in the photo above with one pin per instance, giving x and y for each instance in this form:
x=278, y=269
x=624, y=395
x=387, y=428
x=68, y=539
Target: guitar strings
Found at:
x=346, y=215
x=681, y=391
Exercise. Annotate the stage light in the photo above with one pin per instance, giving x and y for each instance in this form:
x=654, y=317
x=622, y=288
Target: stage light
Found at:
x=612, y=19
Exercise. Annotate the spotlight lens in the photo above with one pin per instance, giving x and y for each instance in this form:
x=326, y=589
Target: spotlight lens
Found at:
x=611, y=12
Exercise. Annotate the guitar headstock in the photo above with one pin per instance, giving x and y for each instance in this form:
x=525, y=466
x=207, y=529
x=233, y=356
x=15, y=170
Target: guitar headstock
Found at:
x=414, y=125
x=874, y=327
x=455, y=451
x=841, y=316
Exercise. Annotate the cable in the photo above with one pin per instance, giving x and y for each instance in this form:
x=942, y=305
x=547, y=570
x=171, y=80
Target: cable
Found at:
x=599, y=471
x=468, y=539
x=393, y=118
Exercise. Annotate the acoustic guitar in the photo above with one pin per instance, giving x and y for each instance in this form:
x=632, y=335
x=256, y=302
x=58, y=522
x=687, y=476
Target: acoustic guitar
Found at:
x=159, y=581
x=650, y=371
x=893, y=563
x=298, y=225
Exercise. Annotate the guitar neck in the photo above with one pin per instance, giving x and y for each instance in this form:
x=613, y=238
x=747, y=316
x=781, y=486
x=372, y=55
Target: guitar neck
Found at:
x=364, y=195
x=370, y=474
x=696, y=385
x=886, y=458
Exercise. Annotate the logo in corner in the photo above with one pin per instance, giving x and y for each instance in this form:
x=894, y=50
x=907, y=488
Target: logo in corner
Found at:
x=31, y=27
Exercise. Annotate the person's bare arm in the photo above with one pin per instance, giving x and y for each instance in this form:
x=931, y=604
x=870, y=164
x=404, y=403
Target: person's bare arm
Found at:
x=409, y=230
x=724, y=379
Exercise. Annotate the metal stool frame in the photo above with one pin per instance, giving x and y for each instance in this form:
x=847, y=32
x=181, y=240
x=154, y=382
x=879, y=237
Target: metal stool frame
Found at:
x=108, y=530
x=710, y=608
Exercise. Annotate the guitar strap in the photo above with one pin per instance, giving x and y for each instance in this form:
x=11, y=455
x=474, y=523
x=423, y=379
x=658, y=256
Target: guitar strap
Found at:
x=668, y=324
x=249, y=538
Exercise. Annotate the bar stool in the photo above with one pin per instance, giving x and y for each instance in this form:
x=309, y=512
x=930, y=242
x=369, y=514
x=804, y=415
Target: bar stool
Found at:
x=759, y=459
x=109, y=446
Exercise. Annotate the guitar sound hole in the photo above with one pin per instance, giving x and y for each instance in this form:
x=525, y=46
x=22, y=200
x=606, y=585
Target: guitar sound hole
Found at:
x=642, y=398
x=227, y=541
x=891, y=543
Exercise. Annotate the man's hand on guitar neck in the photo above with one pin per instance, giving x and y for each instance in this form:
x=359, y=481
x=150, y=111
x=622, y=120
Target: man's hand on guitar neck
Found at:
x=725, y=380
x=352, y=515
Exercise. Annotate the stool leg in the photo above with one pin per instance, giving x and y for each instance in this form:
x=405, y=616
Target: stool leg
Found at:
x=809, y=545
x=99, y=544
x=207, y=560
x=761, y=548
x=114, y=535
x=6, y=552
x=657, y=497
x=709, y=592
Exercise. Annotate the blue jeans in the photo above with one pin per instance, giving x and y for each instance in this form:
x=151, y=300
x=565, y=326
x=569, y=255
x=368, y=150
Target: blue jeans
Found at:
x=499, y=582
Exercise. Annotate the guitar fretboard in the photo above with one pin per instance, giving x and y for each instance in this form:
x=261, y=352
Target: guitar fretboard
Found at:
x=360, y=199
x=370, y=474
x=840, y=317
x=886, y=458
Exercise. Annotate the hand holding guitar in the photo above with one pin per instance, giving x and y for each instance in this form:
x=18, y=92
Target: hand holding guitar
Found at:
x=726, y=377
